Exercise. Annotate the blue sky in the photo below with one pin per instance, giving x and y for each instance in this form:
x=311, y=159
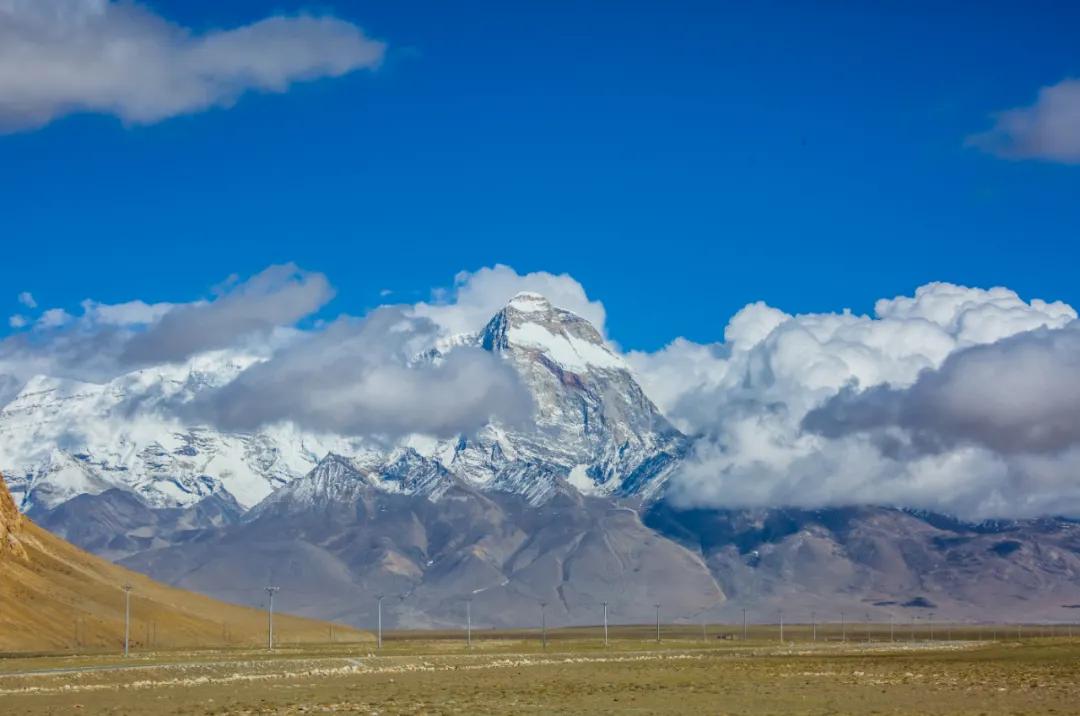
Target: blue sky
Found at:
x=679, y=159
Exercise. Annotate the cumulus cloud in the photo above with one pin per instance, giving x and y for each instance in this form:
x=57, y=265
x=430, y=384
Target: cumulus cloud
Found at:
x=746, y=401
x=107, y=340
x=17, y=321
x=1018, y=395
x=27, y=299
x=53, y=318
x=278, y=296
x=1049, y=129
x=360, y=377
x=129, y=313
x=63, y=56
x=476, y=296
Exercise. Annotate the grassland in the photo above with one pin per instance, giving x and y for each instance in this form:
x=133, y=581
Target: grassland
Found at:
x=510, y=672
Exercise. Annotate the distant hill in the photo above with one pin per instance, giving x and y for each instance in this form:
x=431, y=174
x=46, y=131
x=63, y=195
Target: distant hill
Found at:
x=56, y=596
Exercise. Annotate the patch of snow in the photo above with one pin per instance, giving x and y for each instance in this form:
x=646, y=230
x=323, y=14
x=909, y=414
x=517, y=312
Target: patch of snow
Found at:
x=572, y=353
x=581, y=481
x=529, y=302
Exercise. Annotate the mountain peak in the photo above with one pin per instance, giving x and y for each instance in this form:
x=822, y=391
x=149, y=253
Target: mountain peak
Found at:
x=531, y=326
x=529, y=302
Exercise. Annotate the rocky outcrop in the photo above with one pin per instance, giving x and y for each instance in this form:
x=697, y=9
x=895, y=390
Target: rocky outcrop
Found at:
x=10, y=525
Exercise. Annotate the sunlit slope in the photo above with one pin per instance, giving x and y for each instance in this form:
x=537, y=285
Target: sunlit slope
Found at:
x=56, y=596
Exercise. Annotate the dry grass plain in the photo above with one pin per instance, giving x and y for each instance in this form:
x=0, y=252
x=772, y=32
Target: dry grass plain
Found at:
x=432, y=673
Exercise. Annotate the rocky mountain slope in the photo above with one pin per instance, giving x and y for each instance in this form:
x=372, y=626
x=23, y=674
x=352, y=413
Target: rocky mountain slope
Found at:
x=55, y=596
x=882, y=563
x=335, y=541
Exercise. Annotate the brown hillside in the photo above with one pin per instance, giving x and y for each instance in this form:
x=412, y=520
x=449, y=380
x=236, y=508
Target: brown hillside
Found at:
x=56, y=596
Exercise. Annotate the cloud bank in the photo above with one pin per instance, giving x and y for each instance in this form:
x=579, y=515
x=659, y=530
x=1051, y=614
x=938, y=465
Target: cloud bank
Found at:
x=278, y=296
x=353, y=376
x=954, y=399
x=1049, y=129
x=359, y=377
x=59, y=57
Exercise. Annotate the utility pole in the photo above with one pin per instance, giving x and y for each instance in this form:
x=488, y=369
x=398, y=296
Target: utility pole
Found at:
x=468, y=623
x=780, y=614
x=379, y=599
x=605, y=623
x=543, y=624
x=813, y=624
x=657, y=605
x=744, y=624
x=270, y=591
x=127, y=617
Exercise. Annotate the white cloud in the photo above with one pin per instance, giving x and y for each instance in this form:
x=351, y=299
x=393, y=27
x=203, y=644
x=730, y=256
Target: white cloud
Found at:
x=17, y=321
x=129, y=313
x=953, y=399
x=63, y=56
x=359, y=377
x=106, y=340
x=278, y=296
x=745, y=401
x=478, y=295
x=351, y=376
x=1018, y=395
x=27, y=299
x=53, y=318
x=1048, y=129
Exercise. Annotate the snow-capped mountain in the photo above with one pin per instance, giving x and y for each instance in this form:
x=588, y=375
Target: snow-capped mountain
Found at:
x=567, y=509
x=595, y=432
x=594, y=427
x=61, y=438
